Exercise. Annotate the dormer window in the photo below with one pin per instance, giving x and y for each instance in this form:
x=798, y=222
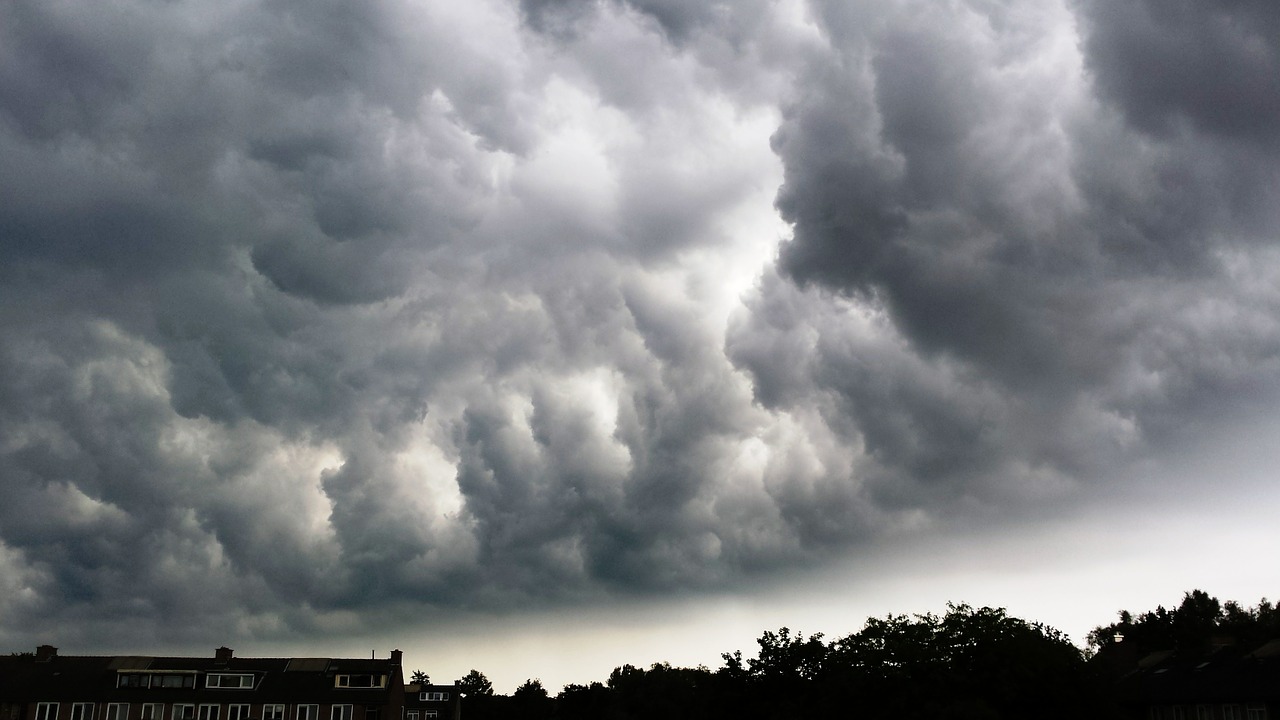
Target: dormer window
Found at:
x=156, y=680
x=173, y=680
x=360, y=681
x=433, y=696
x=229, y=681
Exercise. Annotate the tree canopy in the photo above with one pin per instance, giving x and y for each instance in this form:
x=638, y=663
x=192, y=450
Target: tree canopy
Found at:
x=1197, y=622
x=969, y=662
x=475, y=684
x=966, y=663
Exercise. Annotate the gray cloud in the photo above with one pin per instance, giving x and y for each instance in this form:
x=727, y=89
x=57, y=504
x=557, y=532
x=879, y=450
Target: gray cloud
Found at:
x=678, y=21
x=299, y=302
x=314, y=313
x=1211, y=65
x=1051, y=260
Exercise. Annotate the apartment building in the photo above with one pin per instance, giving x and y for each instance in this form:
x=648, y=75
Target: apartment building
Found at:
x=49, y=686
x=432, y=702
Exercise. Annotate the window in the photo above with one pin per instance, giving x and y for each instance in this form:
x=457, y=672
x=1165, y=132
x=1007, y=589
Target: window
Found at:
x=152, y=711
x=308, y=712
x=340, y=712
x=360, y=681
x=229, y=682
x=81, y=711
x=132, y=680
x=117, y=711
x=1232, y=712
x=411, y=715
x=46, y=711
x=430, y=714
x=433, y=696
x=237, y=712
x=184, y=712
x=208, y=712
x=174, y=680
x=373, y=713
x=1256, y=711
x=272, y=712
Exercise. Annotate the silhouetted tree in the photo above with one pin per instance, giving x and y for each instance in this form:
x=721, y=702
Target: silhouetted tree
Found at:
x=475, y=684
x=1199, y=620
x=478, y=700
x=419, y=677
x=530, y=701
x=583, y=702
x=660, y=691
x=785, y=657
x=967, y=663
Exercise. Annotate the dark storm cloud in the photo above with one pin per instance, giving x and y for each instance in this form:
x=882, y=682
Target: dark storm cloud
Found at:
x=1213, y=65
x=314, y=308
x=1200, y=80
x=677, y=20
x=102, y=493
x=314, y=312
x=1047, y=255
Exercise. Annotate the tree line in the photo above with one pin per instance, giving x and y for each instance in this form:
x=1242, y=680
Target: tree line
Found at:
x=966, y=663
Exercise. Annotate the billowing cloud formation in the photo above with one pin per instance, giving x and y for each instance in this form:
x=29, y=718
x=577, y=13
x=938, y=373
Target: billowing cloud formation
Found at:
x=315, y=310
x=1073, y=269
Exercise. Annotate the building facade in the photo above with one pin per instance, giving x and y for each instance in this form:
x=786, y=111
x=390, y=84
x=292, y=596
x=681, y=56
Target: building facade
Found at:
x=432, y=702
x=1225, y=681
x=47, y=686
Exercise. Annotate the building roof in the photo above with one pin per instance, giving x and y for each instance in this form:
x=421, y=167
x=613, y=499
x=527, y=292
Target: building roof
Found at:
x=413, y=696
x=1220, y=674
x=26, y=678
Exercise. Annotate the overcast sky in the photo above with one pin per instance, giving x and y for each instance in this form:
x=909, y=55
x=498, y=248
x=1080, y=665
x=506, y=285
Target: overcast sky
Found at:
x=544, y=336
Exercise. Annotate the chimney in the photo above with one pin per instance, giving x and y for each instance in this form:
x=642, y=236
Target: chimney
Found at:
x=222, y=655
x=395, y=657
x=45, y=653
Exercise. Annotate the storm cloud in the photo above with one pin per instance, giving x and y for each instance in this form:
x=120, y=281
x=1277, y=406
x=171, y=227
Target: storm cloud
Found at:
x=314, y=312
x=1074, y=277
